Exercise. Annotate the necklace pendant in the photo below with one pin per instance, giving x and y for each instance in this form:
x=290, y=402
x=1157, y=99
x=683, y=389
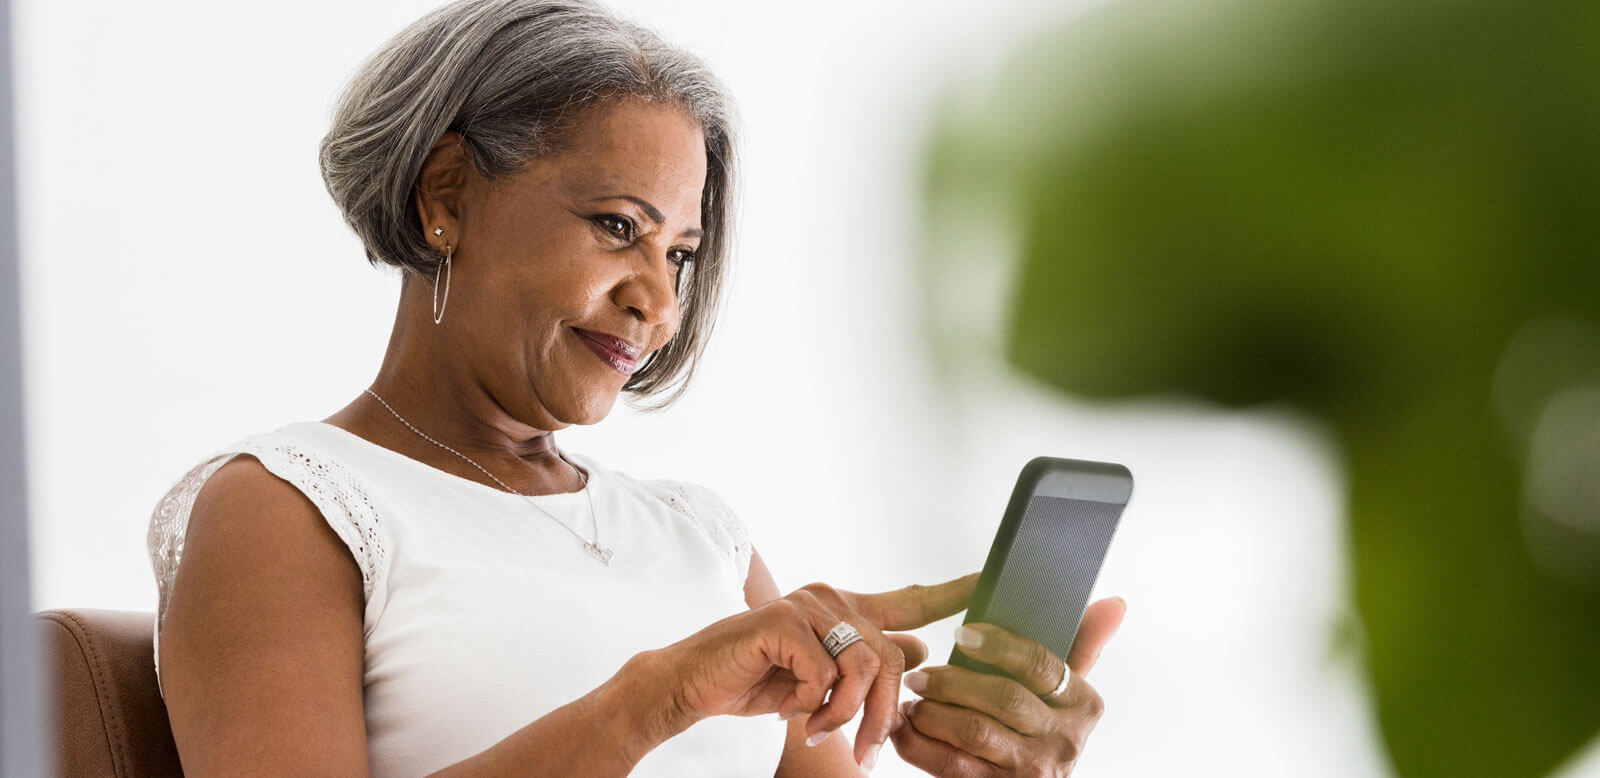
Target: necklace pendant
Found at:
x=602, y=554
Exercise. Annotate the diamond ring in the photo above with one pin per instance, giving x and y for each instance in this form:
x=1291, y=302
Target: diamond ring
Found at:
x=839, y=637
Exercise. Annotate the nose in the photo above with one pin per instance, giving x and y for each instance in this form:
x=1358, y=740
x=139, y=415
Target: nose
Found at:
x=650, y=293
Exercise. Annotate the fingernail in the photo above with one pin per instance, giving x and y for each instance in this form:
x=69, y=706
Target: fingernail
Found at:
x=916, y=681
x=819, y=737
x=899, y=721
x=870, y=760
x=968, y=637
x=907, y=708
x=788, y=716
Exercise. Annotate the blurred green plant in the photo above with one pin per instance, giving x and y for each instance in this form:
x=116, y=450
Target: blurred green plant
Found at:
x=1385, y=214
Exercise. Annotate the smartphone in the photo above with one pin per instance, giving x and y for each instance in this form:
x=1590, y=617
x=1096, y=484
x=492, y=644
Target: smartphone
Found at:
x=1047, y=554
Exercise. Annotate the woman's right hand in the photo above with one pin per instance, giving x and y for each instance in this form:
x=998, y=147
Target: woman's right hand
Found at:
x=770, y=659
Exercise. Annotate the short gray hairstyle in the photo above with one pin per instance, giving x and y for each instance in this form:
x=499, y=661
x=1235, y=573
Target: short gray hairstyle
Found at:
x=510, y=76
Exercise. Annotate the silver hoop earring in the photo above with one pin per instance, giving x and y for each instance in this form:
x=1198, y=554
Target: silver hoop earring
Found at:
x=438, y=306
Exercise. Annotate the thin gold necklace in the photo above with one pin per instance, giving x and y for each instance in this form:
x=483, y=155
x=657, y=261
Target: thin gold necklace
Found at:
x=591, y=545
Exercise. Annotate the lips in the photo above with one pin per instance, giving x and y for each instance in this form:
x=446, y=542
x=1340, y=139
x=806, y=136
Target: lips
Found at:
x=620, y=354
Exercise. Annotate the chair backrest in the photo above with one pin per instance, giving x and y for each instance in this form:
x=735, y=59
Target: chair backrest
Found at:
x=109, y=716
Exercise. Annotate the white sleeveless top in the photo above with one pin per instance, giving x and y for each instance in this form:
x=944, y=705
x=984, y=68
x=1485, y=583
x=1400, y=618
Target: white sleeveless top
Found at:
x=482, y=615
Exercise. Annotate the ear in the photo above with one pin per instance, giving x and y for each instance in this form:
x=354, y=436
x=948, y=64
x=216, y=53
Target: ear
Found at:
x=446, y=174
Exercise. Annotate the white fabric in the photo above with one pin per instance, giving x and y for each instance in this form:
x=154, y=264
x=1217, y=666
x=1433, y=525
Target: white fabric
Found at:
x=482, y=615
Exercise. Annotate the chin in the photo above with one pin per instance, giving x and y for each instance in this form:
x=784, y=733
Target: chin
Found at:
x=592, y=410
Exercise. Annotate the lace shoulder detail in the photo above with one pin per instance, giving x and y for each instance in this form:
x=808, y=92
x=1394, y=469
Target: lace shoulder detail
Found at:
x=336, y=492
x=726, y=531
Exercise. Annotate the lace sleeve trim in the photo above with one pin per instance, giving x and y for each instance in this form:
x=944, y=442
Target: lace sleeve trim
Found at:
x=726, y=531
x=333, y=489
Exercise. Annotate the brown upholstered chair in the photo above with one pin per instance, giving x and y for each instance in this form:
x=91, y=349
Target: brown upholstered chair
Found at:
x=109, y=717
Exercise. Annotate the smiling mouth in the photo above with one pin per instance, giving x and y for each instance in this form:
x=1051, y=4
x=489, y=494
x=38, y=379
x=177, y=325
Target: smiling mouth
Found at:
x=621, y=355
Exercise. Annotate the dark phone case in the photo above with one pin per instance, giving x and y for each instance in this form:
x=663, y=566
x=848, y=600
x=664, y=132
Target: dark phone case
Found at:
x=1048, y=552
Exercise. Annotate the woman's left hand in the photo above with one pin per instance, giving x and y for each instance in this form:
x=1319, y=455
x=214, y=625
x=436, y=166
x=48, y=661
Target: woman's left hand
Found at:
x=971, y=724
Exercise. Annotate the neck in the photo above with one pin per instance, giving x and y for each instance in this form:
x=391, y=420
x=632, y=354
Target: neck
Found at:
x=438, y=395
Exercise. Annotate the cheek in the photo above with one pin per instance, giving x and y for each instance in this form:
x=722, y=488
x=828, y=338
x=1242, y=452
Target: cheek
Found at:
x=551, y=288
x=675, y=323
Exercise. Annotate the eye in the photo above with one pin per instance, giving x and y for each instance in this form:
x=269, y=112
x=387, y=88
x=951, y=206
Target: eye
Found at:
x=619, y=227
x=681, y=257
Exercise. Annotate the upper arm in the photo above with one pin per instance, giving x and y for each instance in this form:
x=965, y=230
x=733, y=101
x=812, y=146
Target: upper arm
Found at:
x=831, y=757
x=261, y=645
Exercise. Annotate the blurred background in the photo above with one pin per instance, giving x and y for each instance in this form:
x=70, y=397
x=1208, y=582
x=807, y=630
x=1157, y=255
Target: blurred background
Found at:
x=1321, y=274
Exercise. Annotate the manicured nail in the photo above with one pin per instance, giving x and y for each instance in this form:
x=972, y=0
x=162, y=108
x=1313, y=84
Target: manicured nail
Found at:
x=916, y=681
x=907, y=708
x=870, y=760
x=968, y=637
x=789, y=715
x=819, y=737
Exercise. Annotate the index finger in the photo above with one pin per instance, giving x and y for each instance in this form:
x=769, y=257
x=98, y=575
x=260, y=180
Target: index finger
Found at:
x=915, y=605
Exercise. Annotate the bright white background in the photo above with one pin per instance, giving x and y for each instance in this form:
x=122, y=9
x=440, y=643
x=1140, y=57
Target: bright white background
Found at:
x=187, y=282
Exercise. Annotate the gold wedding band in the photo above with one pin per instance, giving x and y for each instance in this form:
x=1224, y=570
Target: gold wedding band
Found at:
x=1066, y=677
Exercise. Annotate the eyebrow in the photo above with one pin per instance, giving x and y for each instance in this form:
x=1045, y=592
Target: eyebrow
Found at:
x=651, y=211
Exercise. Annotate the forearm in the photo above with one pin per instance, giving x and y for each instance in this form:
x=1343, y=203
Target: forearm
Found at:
x=603, y=733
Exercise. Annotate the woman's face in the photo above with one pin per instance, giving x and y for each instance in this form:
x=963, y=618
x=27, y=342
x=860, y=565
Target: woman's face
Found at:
x=565, y=273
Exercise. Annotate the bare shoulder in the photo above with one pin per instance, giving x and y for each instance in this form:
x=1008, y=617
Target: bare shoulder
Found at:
x=261, y=646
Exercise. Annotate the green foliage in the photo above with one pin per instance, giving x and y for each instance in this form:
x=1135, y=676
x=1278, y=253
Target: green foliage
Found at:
x=1385, y=214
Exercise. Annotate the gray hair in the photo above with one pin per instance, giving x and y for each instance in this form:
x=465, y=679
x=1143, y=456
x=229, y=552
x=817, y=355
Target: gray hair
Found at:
x=510, y=76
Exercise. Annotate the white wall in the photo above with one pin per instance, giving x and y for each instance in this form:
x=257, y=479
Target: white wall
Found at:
x=187, y=282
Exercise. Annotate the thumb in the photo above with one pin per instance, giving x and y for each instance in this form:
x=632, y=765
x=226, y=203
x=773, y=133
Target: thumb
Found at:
x=1100, y=621
x=915, y=650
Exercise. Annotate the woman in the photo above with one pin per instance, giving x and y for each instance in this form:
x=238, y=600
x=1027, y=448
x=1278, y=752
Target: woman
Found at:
x=423, y=581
